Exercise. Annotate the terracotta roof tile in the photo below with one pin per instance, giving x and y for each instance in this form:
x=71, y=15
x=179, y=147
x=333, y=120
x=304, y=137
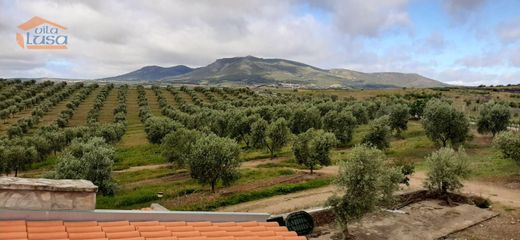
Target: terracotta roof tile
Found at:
x=115, y=229
x=116, y=223
x=84, y=229
x=80, y=224
x=147, y=230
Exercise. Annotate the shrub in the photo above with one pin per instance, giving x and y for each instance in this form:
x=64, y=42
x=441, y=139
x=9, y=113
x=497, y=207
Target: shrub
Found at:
x=447, y=168
x=368, y=183
x=444, y=125
x=509, y=144
x=493, y=118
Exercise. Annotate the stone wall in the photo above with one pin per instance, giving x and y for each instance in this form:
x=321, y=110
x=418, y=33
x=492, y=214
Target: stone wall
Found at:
x=46, y=194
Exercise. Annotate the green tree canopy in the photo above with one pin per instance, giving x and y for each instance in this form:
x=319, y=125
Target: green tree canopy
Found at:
x=509, y=144
x=277, y=135
x=305, y=118
x=378, y=134
x=214, y=158
x=177, y=145
x=443, y=124
x=399, y=115
x=257, y=136
x=157, y=127
x=313, y=147
x=493, y=118
x=368, y=183
x=91, y=159
x=447, y=168
x=342, y=124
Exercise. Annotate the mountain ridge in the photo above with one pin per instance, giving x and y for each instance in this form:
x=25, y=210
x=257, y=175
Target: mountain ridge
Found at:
x=250, y=70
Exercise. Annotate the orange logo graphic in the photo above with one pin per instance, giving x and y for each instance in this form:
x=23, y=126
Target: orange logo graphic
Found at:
x=39, y=33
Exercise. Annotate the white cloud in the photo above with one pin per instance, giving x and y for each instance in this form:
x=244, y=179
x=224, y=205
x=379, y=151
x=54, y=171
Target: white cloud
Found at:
x=368, y=17
x=509, y=31
x=109, y=37
x=461, y=10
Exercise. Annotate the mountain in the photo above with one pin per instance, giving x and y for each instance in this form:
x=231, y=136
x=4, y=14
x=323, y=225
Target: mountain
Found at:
x=259, y=71
x=152, y=73
x=389, y=78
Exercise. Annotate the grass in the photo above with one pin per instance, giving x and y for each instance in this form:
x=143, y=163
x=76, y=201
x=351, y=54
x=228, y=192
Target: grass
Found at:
x=106, y=114
x=140, y=155
x=255, y=154
x=145, y=174
x=152, y=102
x=143, y=195
x=79, y=117
x=54, y=112
x=135, y=134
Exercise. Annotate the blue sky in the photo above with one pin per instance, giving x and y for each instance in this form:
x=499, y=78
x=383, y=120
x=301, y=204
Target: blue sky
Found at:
x=467, y=42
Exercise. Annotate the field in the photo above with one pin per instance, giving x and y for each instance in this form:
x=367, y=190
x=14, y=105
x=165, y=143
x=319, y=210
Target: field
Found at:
x=144, y=176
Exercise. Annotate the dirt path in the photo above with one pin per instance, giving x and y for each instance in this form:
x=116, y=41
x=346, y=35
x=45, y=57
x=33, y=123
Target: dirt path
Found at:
x=285, y=203
x=255, y=163
x=495, y=192
x=315, y=198
x=245, y=165
x=143, y=167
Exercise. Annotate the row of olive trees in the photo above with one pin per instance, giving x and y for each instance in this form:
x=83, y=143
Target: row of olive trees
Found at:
x=23, y=125
x=121, y=108
x=78, y=98
x=28, y=98
x=15, y=94
x=93, y=114
x=19, y=152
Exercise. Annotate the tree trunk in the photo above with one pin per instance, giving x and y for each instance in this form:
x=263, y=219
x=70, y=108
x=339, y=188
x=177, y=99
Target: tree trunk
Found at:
x=312, y=169
x=16, y=172
x=213, y=183
x=346, y=234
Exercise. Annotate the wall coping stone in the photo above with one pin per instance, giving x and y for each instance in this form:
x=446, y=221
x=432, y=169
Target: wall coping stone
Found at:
x=43, y=184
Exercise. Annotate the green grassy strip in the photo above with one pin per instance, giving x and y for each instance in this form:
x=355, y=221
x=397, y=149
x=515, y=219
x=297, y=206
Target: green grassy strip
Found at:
x=237, y=198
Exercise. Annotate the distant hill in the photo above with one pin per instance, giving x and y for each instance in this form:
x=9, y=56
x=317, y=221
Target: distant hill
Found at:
x=259, y=71
x=152, y=73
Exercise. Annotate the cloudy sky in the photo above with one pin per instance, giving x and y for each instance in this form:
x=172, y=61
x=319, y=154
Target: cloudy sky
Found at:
x=466, y=42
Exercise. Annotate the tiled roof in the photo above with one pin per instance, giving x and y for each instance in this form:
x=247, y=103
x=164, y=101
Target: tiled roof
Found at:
x=148, y=230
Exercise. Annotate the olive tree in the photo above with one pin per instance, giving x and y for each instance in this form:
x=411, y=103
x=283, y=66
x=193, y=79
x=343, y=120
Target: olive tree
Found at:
x=277, y=135
x=305, y=118
x=342, y=124
x=18, y=156
x=177, y=145
x=368, y=184
x=399, y=115
x=91, y=159
x=444, y=124
x=214, y=158
x=509, y=145
x=257, y=136
x=493, y=118
x=157, y=127
x=378, y=134
x=447, y=168
x=313, y=147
